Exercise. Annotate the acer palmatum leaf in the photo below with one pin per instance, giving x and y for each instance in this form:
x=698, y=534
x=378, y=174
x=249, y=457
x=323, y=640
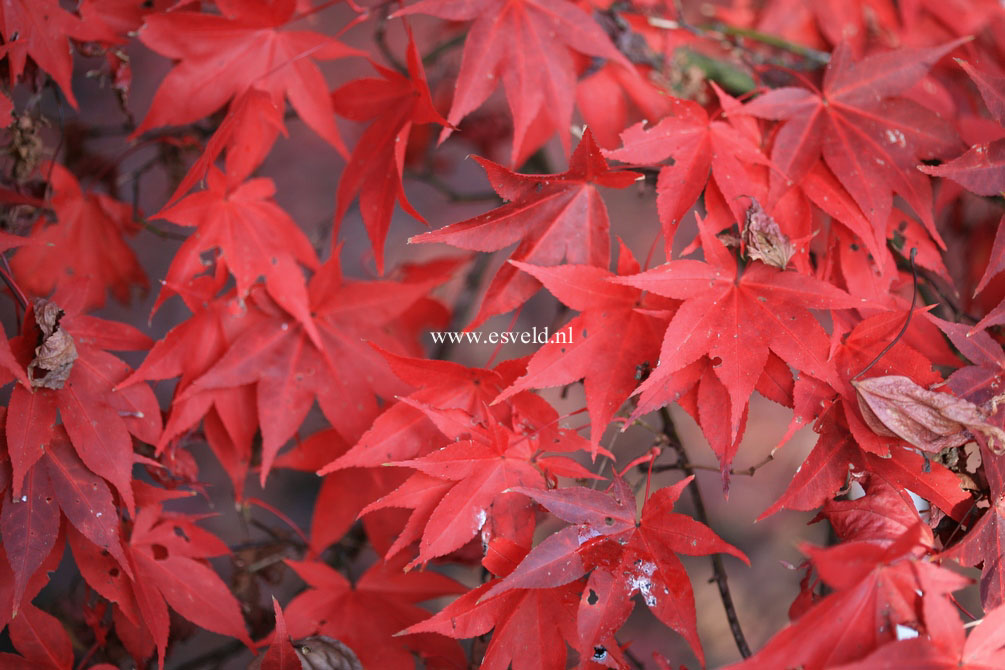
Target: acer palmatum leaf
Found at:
x=873, y=589
x=640, y=553
x=40, y=29
x=256, y=238
x=41, y=639
x=554, y=217
x=101, y=423
x=394, y=104
x=531, y=626
x=29, y=525
x=540, y=85
x=247, y=132
x=87, y=241
x=992, y=88
x=169, y=572
x=700, y=146
x=618, y=329
x=870, y=138
x=345, y=375
x=334, y=607
x=984, y=545
x=402, y=431
x=737, y=319
x=220, y=57
x=882, y=515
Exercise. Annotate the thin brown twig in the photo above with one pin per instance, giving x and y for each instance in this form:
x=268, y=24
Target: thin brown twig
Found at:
x=160, y=232
x=380, y=38
x=718, y=569
x=743, y=472
x=448, y=191
x=684, y=464
x=436, y=52
x=8, y=278
x=723, y=31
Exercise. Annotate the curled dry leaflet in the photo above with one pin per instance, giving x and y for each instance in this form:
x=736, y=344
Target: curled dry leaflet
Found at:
x=932, y=421
x=55, y=355
x=318, y=652
x=764, y=239
x=688, y=234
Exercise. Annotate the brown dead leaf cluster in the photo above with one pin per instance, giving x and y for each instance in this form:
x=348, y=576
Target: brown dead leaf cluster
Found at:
x=54, y=357
x=931, y=421
x=320, y=652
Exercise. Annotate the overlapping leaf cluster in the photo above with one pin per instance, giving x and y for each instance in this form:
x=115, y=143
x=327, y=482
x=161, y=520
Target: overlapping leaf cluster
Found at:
x=830, y=211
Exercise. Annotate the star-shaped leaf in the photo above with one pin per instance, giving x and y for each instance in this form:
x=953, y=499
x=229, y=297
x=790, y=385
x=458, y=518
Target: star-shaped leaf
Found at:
x=220, y=57
x=540, y=84
x=554, y=217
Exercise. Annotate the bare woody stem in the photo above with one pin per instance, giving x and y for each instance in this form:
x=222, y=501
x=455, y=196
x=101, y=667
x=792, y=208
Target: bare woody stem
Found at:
x=718, y=569
x=684, y=465
x=12, y=285
x=815, y=56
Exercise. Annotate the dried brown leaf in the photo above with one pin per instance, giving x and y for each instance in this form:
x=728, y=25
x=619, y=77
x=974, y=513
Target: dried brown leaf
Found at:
x=764, y=239
x=54, y=357
x=931, y=421
x=320, y=652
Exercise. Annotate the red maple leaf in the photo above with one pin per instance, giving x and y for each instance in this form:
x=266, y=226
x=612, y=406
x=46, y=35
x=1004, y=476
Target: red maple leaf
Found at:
x=394, y=104
x=251, y=126
x=947, y=646
x=882, y=515
x=86, y=245
x=541, y=83
x=737, y=319
x=402, y=431
x=190, y=349
x=220, y=57
x=41, y=640
x=981, y=169
x=40, y=29
x=698, y=144
x=493, y=459
x=280, y=655
x=618, y=330
x=255, y=238
x=100, y=422
x=344, y=374
x=875, y=589
x=845, y=438
x=167, y=553
x=30, y=520
x=640, y=553
x=984, y=545
x=553, y=216
x=530, y=626
x=870, y=138
x=367, y=615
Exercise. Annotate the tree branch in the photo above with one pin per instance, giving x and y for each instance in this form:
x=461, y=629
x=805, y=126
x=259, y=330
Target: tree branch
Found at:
x=719, y=570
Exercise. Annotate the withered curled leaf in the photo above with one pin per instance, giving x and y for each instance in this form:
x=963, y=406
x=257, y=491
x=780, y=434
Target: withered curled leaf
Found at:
x=54, y=357
x=320, y=652
x=764, y=239
x=894, y=405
